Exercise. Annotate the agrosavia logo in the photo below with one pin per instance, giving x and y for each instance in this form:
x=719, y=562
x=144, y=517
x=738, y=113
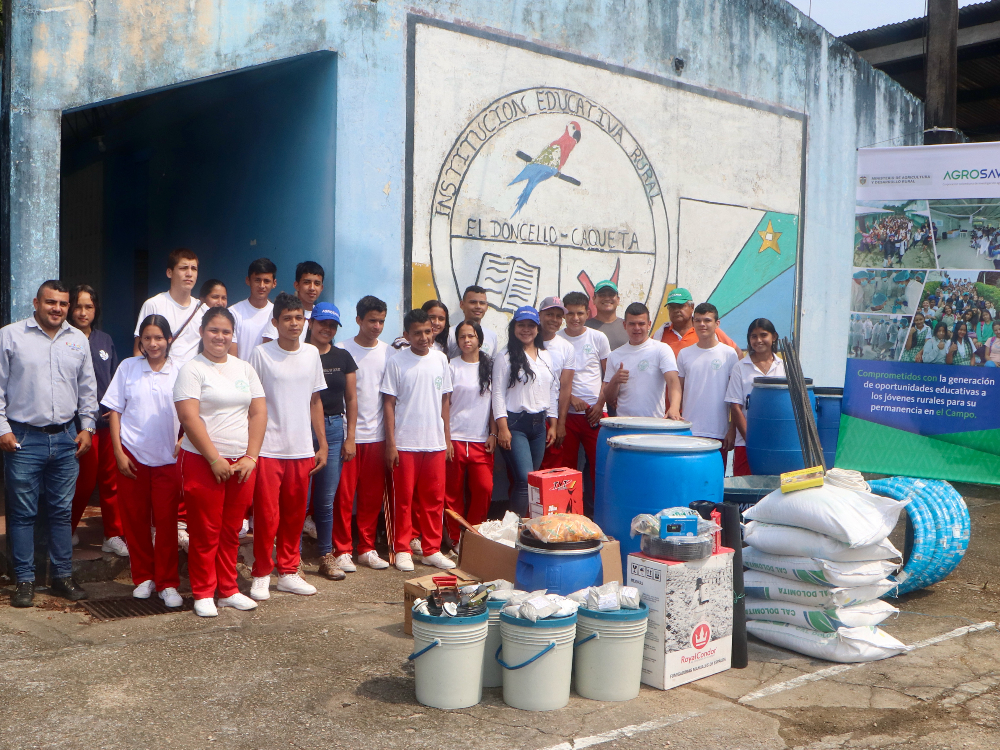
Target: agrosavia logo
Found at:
x=972, y=174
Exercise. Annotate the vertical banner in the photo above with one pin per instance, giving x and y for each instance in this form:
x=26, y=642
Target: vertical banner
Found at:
x=922, y=390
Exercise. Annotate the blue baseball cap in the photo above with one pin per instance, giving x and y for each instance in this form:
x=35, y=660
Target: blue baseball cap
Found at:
x=527, y=313
x=326, y=311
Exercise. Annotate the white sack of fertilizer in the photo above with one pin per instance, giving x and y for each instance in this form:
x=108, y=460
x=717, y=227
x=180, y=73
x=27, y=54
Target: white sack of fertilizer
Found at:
x=823, y=619
x=847, y=645
x=788, y=540
x=854, y=517
x=820, y=572
x=767, y=586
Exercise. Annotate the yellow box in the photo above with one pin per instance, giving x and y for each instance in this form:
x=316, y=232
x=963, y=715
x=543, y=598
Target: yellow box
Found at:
x=802, y=479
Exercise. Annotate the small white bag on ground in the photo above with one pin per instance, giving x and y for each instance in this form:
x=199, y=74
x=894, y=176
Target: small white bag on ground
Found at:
x=767, y=586
x=820, y=572
x=788, y=540
x=823, y=619
x=854, y=517
x=847, y=645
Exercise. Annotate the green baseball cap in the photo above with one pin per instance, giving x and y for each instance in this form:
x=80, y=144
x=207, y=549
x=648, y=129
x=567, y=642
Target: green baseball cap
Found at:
x=606, y=284
x=679, y=296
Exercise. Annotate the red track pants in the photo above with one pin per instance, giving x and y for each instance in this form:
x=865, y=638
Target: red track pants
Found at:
x=471, y=460
x=151, y=498
x=579, y=432
x=365, y=475
x=279, y=510
x=98, y=468
x=418, y=486
x=215, y=516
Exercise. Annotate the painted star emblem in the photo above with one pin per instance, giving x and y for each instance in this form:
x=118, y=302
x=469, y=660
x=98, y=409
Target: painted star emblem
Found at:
x=769, y=239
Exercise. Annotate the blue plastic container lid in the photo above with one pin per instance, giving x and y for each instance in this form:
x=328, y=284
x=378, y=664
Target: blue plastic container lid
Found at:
x=548, y=622
x=646, y=423
x=445, y=620
x=616, y=614
x=664, y=443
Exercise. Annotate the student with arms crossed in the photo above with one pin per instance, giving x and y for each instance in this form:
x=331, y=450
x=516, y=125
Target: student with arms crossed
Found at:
x=416, y=393
x=551, y=313
x=182, y=311
x=474, y=307
x=292, y=377
x=253, y=314
x=308, y=285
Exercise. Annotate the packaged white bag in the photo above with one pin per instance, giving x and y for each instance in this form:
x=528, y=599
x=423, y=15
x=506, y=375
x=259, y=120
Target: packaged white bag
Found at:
x=823, y=619
x=820, y=572
x=854, y=517
x=767, y=586
x=846, y=645
x=788, y=540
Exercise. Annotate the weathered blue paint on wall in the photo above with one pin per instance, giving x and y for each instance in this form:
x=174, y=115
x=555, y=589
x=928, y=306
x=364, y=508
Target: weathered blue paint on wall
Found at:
x=70, y=54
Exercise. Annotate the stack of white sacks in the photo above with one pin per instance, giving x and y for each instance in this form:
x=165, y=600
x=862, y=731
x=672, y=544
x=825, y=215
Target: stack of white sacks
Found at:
x=819, y=559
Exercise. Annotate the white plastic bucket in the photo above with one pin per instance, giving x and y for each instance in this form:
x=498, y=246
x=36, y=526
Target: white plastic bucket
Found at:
x=607, y=658
x=492, y=671
x=537, y=661
x=448, y=659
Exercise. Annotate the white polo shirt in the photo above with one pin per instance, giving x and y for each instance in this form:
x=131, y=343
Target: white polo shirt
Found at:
x=145, y=400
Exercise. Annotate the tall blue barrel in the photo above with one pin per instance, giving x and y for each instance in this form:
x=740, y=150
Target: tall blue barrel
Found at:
x=611, y=426
x=646, y=473
x=828, y=402
x=773, y=445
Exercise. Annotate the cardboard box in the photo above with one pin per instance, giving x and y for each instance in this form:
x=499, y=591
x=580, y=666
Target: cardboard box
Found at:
x=489, y=560
x=690, y=629
x=555, y=491
x=419, y=588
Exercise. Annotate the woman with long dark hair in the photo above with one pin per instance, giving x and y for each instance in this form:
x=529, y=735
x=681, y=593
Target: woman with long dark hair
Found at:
x=473, y=430
x=525, y=401
x=961, y=350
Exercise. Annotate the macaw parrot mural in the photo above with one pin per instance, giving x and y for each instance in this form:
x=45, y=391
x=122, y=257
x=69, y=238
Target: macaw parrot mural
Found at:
x=547, y=164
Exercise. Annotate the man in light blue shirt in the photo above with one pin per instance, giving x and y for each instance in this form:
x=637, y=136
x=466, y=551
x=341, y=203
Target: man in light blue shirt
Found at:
x=47, y=382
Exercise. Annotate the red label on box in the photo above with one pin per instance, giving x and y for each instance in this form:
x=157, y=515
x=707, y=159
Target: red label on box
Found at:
x=555, y=491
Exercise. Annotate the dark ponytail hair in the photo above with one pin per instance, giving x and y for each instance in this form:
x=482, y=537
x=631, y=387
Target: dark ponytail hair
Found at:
x=485, y=363
x=518, y=359
x=160, y=322
x=209, y=316
x=765, y=325
x=441, y=338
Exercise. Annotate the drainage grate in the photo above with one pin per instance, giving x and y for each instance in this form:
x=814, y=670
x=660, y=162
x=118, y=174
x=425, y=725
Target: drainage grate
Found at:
x=128, y=606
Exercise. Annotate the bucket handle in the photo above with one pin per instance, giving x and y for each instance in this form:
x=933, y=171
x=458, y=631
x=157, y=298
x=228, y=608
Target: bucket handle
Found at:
x=540, y=654
x=421, y=652
x=590, y=637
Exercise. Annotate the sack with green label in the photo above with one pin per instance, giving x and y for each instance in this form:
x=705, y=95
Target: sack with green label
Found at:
x=846, y=645
x=823, y=619
x=820, y=572
x=788, y=540
x=767, y=586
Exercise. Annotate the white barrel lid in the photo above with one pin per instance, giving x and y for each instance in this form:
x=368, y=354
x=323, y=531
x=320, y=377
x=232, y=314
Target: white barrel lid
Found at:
x=646, y=423
x=664, y=443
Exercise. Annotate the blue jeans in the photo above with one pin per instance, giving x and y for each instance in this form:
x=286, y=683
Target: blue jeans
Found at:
x=44, y=470
x=527, y=447
x=324, y=485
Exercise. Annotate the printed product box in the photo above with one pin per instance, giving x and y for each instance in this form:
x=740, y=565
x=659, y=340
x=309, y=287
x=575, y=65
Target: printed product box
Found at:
x=419, y=588
x=555, y=491
x=690, y=630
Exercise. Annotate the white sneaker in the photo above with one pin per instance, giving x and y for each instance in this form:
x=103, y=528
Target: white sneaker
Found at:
x=416, y=547
x=244, y=529
x=260, y=588
x=438, y=560
x=205, y=608
x=144, y=590
x=183, y=540
x=293, y=584
x=345, y=563
x=238, y=601
x=404, y=562
x=115, y=544
x=309, y=527
x=372, y=560
x=171, y=598
x=75, y=540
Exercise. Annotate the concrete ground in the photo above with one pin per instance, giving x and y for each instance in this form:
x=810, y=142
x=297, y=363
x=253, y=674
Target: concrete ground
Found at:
x=330, y=671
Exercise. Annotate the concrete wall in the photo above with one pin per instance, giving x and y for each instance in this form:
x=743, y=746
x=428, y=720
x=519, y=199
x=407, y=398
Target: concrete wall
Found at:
x=69, y=53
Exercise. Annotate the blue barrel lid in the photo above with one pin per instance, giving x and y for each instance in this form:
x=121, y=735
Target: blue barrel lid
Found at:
x=445, y=620
x=646, y=423
x=548, y=622
x=664, y=443
x=621, y=615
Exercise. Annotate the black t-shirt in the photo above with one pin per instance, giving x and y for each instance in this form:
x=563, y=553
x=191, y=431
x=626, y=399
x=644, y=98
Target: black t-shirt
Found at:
x=337, y=363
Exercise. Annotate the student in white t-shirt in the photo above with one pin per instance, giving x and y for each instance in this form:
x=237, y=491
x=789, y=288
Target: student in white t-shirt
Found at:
x=473, y=431
x=254, y=313
x=551, y=313
x=760, y=362
x=474, y=306
x=182, y=311
x=365, y=475
x=704, y=370
x=220, y=404
x=636, y=372
x=308, y=285
x=416, y=393
x=292, y=377
x=144, y=428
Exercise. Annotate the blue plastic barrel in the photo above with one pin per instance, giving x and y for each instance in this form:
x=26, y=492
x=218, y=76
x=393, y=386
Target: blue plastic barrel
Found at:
x=611, y=426
x=772, y=439
x=828, y=401
x=559, y=571
x=646, y=473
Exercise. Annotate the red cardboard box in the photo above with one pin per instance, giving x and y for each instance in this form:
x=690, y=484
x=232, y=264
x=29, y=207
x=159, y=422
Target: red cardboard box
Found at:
x=555, y=491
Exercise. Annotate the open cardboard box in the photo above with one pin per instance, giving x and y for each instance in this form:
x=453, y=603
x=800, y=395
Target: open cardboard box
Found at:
x=419, y=588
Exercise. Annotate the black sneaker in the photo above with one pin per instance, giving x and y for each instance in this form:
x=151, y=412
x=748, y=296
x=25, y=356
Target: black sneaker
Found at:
x=24, y=595
x=67, y=588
